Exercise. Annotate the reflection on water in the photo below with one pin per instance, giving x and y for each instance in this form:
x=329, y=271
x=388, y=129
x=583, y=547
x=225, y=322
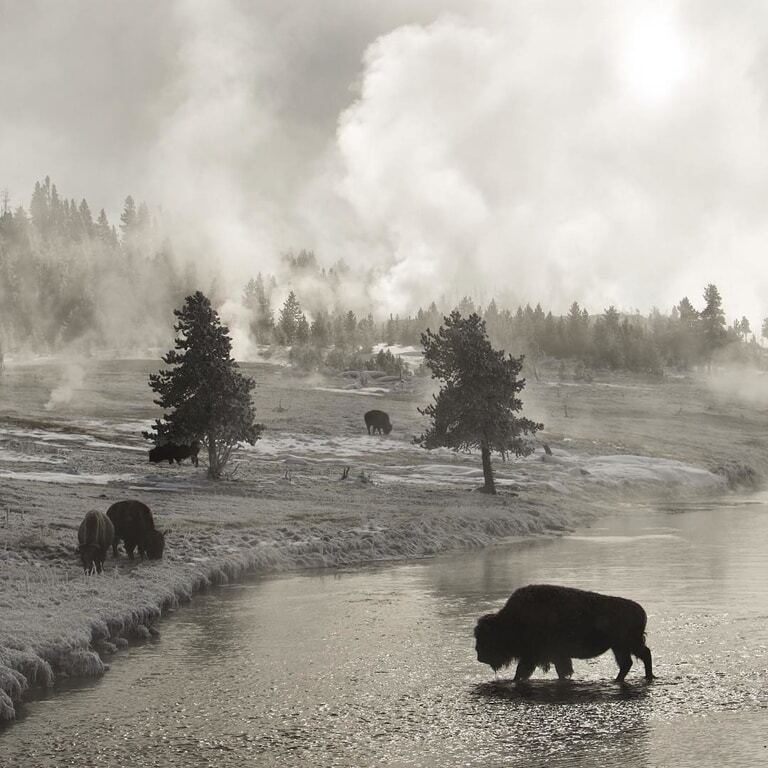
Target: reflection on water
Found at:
x=376, y=666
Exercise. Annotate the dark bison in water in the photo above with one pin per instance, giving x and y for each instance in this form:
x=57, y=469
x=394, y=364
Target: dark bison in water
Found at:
x=94, y=536
x=542, y=625
x=171, y=452
x=378, y=421
x=133, y=524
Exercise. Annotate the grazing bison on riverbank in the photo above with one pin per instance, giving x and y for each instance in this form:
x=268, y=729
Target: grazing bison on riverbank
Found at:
x=94, y=536
x=378, y=421
x=133, y=524
x=171, y=452
x=542, y=625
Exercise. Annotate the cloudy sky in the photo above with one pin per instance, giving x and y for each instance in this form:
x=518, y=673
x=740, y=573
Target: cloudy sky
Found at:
x=608, y=151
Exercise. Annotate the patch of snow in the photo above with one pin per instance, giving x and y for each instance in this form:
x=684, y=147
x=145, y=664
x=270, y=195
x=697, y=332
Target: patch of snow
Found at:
x=28, y=458
x=67, y=478
x=370, y=391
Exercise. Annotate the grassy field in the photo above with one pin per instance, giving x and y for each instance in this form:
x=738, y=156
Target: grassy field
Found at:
x=70, y=441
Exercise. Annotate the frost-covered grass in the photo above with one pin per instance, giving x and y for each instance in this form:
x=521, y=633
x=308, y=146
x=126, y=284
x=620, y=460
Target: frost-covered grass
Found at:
x=286, y=506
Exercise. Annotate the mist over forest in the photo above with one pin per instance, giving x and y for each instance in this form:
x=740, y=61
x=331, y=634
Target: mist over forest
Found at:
x=72, y=282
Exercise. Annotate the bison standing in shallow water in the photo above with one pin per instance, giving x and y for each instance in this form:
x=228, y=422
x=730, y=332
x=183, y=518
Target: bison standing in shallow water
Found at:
x=542, y=625
x=133, y=524
x=94, y=536
x=378, y=421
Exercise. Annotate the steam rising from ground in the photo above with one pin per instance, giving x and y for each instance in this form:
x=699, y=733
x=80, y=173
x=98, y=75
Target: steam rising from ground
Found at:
x=549, y=151
x=73, y=376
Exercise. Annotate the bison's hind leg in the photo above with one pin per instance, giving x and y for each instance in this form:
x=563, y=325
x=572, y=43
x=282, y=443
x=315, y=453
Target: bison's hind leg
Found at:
x=564, y=668
x=644, y=654
x=624, y=660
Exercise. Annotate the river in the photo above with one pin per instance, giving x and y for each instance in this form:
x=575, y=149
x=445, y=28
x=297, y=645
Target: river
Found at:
x=376, y=666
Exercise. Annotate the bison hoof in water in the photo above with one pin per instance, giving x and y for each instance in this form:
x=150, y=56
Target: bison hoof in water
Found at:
x=541, y=625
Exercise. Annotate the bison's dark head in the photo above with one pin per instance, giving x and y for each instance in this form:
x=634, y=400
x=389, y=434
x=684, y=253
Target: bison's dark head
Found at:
x=156, y=454
x=88, y=557
x=387, y=428
x=154, y=543
x=491, y=643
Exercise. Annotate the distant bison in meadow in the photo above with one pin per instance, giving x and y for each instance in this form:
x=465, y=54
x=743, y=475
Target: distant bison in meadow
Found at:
x=171, y=452
x=542, y=625
x=377, y=421
x=94, y=536
x=133, y=524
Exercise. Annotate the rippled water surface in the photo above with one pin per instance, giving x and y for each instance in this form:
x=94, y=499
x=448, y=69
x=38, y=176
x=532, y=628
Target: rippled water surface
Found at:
x=376, y=666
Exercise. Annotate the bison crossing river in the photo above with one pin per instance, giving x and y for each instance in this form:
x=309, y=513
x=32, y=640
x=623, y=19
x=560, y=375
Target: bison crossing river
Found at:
x=542, y=625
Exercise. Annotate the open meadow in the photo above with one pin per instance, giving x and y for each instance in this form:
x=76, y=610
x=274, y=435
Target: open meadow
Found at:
x=70, y=441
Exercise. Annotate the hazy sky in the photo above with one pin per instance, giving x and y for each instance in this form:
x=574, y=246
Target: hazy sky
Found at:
x=608, y=151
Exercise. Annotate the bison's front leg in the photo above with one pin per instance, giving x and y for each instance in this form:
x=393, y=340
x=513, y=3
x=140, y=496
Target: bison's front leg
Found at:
x=524, y=669
x=564, y=668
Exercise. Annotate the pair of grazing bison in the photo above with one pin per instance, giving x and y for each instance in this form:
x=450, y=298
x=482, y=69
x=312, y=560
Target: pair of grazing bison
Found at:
x=128, y=521
x=542, y=625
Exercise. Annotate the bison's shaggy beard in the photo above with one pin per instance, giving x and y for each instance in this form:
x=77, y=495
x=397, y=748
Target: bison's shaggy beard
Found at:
x=492, y=643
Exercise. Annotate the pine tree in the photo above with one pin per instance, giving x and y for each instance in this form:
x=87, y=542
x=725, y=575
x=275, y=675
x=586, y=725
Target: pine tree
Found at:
x=290, y=315
x=39, y=208
x=746, y=329
x=302, y=329
x=320, y=330
x=103, y=229
x=128, y=219
x=86, y=219
x=204, y=395
x=713, y=322
x=257, y=302
x=477, y=403
x=577, y=326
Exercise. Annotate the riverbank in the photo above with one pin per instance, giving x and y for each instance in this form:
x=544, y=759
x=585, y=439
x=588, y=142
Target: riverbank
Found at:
x=286, y=506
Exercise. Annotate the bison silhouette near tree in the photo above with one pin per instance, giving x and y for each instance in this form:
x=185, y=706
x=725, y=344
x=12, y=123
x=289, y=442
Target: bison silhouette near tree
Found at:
x=205, y=395
x=477, y=404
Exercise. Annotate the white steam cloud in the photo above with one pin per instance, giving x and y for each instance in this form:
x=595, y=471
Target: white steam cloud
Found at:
x=73, y=377
x=609, y=152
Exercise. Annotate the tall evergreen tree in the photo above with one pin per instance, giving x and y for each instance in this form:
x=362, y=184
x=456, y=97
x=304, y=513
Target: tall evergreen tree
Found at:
x=290, y=314
x=745, y=328
x=205, y=396
x=320, y=330
x=713, y=322
x=478, y=401
x=86, y=219
x=128, y=219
